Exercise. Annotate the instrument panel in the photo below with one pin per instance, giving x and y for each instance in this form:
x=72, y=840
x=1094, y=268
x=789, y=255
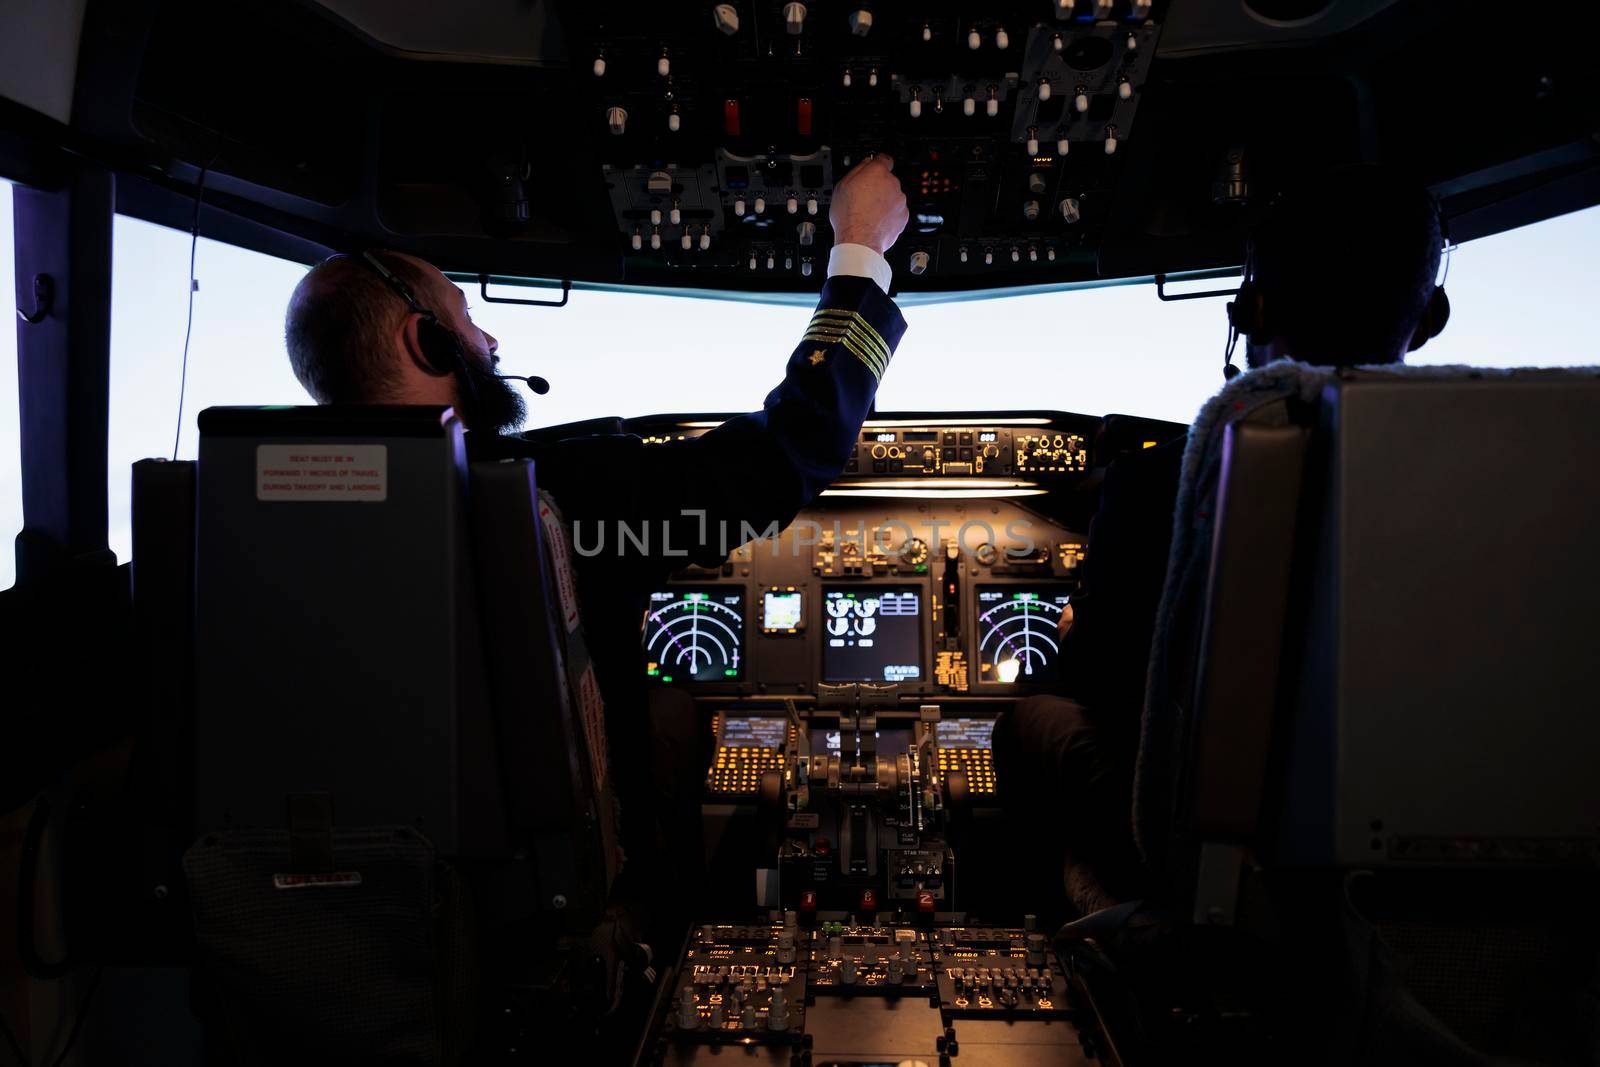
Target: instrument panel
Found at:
x=942, y=560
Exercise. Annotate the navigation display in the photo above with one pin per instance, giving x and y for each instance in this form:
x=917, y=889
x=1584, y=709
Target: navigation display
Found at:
x=966, y=733
x=695, y=635
x=755, y=732
x=872, y=634
x=1018, y=636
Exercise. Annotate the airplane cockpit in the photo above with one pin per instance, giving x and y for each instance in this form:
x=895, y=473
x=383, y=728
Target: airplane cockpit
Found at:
x=823, y=735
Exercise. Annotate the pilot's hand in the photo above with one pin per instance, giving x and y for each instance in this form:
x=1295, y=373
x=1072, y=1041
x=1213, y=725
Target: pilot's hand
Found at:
x=868, y=206
x=1064, y=624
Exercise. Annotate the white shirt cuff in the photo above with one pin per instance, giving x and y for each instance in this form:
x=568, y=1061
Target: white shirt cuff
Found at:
x=861, y=262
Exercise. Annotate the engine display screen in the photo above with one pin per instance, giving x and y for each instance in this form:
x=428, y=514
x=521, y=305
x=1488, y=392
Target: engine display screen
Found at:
x=872, y=634
x=1018, y=633
x=695, y=635
x=755, y=732
x=783, y=610
x=966, y=733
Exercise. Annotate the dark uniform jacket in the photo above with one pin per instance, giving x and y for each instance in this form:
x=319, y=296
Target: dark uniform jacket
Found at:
x=692, y=498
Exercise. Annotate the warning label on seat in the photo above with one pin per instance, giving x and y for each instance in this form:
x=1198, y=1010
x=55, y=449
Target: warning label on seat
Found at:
x=356, y=473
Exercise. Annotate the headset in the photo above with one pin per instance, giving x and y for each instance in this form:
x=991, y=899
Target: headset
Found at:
x=1436, y=315
x=439, y=344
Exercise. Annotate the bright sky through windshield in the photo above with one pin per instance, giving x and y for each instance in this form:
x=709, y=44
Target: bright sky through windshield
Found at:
x=1521, y=298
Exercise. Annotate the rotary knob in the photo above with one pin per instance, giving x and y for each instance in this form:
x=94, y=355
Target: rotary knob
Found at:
x=919, y=262
x=725, y=17
x=616, y=120
x=794, y=18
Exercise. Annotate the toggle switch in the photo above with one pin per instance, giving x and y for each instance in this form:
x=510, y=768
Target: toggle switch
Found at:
x=847, y=79
x=655, y=216
x=969, y=106
x=916, y=102
x=664, y=65
x=1033, y=140
x=988, y=257
x=761, y=206
x=1081, y=102
x=811, y=205
x=974, y=39
x=638, y=239
x=675, y=216
x=1044, y=88
x=1033, y=253
x=805, y=268
x=705, y=239
x=927, y=33
x=738, y=207
x=1050, y=254
x=655, y=237
x=872, y=79
x=600, y=65
x=1062, y=145
x=1002, y=39
x=1016, y=255
x=961, y=254
x=992, y=107
x=687, y=242
x=1125, y=89
x=792, y=205
x=772, y=261
x=752, y=261
x=1111, y=140
x=673, y=121
x=1057, y=43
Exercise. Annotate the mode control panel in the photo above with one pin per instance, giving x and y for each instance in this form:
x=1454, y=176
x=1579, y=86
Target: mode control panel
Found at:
x=969, y=451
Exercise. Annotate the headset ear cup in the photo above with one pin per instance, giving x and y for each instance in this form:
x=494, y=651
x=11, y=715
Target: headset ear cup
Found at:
x=1438, y=312
x=439, y=346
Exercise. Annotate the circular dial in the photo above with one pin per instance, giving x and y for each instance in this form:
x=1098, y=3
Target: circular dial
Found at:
x=915, y=553
x=1019, y=637
x=694, y=638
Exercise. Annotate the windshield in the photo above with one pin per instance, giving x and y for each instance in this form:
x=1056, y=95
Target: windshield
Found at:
x=1520, y=299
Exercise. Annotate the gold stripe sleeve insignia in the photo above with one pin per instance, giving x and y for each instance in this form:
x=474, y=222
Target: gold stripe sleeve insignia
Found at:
x=857, y=336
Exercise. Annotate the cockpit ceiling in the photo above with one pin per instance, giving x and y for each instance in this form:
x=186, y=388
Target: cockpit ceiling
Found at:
x=1078, y=141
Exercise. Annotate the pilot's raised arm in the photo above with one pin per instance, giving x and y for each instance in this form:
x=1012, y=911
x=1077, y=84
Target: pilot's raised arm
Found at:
x=695, y=500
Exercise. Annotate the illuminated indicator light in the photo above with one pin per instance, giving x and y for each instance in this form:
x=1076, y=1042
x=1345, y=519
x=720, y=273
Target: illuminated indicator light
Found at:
x=1148, y=444
x=1044, y=88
